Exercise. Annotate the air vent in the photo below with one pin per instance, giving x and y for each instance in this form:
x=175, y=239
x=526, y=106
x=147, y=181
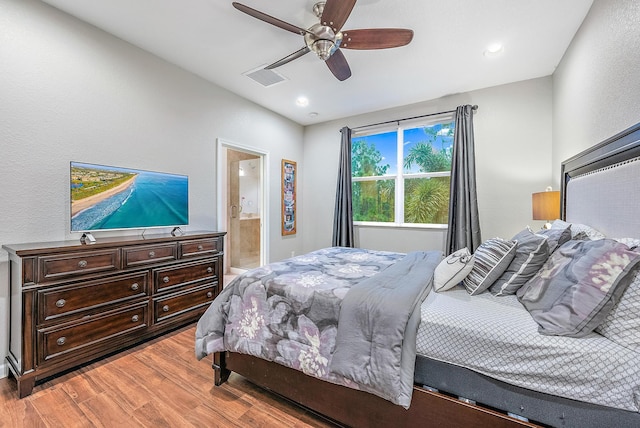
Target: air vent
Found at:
x=265, y=77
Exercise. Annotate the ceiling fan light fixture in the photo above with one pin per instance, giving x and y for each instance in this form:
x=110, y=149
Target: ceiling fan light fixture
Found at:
x=323, y=48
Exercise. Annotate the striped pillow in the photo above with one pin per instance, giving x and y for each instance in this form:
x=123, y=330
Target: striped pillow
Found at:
x=492, y=258
x=531, y=253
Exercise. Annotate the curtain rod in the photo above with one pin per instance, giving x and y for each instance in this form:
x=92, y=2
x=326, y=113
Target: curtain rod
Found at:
x=474, y=108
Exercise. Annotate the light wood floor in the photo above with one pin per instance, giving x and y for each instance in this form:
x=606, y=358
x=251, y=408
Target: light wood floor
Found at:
x=156, y=384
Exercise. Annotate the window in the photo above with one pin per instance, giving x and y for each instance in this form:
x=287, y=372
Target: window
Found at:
x=401, y=175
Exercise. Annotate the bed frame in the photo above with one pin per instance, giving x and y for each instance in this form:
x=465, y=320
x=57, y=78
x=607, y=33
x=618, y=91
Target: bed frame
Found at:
x=486, y=402
x=349, y=407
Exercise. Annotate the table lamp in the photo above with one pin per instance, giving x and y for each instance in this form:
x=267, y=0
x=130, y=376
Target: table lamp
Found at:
x=546, y=206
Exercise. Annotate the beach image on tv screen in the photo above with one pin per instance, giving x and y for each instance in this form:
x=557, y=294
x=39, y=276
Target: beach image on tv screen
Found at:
x=105, y=197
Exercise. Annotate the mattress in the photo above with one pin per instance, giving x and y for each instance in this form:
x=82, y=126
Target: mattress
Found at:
x=497, y=337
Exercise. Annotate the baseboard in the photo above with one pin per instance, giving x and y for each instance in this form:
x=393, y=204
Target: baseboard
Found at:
x=4, y=369
x=236, y=271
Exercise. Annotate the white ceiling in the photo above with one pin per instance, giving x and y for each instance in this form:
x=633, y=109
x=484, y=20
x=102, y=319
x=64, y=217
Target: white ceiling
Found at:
x=219, y=43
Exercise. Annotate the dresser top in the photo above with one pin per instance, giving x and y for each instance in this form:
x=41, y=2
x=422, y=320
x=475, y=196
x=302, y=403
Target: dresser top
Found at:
x=34, y=248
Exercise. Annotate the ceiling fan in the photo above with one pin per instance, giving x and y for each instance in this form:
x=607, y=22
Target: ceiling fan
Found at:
x=326, y=38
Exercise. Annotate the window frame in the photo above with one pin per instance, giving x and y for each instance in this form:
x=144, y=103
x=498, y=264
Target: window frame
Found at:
x=400, y=176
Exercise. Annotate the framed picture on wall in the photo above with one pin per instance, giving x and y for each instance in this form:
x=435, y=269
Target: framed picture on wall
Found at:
x=289, y=171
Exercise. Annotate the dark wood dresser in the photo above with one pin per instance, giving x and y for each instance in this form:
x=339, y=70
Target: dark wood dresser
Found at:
x=71, y=303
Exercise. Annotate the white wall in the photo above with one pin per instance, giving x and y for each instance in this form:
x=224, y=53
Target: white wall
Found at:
x=513, y=159
x=597, y=84
x=71, y=92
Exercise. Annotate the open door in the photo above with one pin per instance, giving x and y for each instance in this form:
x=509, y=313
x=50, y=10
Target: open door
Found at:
x=244, y=213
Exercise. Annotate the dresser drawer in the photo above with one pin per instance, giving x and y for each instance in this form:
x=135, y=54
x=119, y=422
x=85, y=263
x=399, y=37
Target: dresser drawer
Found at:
x=76, y=264
x=200, y=247
x=71, y=299
x=165, y=279
x=90, y=332
x=148, y=254
x=185, y=303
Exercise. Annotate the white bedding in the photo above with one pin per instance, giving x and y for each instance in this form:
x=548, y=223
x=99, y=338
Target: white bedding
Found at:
x=497, y=337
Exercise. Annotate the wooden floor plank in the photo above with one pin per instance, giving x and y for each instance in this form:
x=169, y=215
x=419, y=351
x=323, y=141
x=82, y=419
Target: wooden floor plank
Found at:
x=16, y=413
x=105, y=412
x=123, y=390
x=57, y=409
x=82, y=387
x=205, y=415
x=157, y=384
x=157, y=414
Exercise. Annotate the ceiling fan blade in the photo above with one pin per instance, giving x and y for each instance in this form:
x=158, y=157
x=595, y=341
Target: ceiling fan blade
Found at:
x=338, y=65
x=336, y=12
x=269, y=19
x=376, y=38
x=288, y=58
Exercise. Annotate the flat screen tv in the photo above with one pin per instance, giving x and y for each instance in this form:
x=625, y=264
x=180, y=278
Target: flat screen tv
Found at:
x=110, y=198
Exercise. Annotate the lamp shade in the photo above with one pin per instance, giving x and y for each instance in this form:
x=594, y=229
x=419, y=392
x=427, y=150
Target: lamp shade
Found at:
x=546, y=205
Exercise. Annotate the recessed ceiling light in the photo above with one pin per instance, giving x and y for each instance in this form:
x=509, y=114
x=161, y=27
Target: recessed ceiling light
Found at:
x=494, y=49
x=302, y=101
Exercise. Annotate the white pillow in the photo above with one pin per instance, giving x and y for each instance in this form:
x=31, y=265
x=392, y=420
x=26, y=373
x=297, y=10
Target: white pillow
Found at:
x=452, y=270
x=632, y=243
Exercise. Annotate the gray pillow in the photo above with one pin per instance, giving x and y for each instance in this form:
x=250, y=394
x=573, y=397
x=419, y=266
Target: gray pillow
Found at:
x=581, y=236
x=577, y=228
x=531, y=253
x=578, y=286
x=555, y=237
x=492, y=258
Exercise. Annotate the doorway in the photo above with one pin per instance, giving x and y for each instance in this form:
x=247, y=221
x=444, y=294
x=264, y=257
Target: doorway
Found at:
x=242, y=210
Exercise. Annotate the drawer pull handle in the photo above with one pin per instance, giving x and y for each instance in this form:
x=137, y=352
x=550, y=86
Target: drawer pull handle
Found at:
x=60, y=303
x=165, y=279
x=200, y=248
x=209, y=269
x=209, y=294
x=135, y=286
x=61, y=341
x=152, y=254
x=82, y=263
x=165, y=308
x=135, y=318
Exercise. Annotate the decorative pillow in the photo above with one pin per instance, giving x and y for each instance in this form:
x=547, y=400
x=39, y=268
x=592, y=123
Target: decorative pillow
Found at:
x=577, y=228
x=555, y=237
x=492, y=258
x=578, y=285
x=622, y=325
x=531, y=253
x=581, y=236
x=632, y=243
x=453, y=269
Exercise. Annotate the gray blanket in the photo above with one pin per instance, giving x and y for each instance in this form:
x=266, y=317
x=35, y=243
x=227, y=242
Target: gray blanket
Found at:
x=375, y=344
x=291, y=312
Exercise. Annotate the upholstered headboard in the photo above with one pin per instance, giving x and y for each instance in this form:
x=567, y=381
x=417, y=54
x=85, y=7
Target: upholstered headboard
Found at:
x=601, y=186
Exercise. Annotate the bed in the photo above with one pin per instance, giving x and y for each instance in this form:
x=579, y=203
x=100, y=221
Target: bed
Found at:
x=458, y=382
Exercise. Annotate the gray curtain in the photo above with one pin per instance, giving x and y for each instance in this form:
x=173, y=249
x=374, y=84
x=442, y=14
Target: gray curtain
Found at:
x=464, y=222
x=343, y=214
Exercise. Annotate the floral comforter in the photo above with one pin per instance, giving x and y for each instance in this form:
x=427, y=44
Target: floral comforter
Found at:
x=289, y=312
